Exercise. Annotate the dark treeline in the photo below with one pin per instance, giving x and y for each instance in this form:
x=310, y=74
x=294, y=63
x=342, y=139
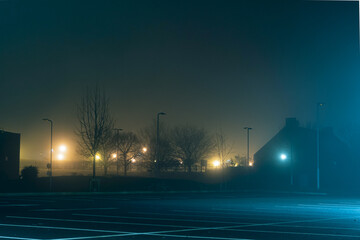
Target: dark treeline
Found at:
x=154, y=148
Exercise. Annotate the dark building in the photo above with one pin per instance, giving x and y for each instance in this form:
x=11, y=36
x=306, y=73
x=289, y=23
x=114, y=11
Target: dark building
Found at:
x=289, y=159
x=9, y=155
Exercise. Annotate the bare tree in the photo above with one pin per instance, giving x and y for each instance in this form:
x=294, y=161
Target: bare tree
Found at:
x=129, y=148
x=95, y=123
x=222, y=147
x=106, y=150
x=191, y=144
x=165, y=157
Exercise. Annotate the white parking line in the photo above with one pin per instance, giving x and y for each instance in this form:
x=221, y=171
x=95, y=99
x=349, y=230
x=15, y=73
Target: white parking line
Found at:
x=249, y=225
x=101, y=222
x=165, y=233
x=295, y=233
x=70, y=209
x=200, y=237
x=29, y=200
x=207, y=216
x=19, y=205
x=75, y=199
x=17, y=238
x=156, y=219
x=231, y=228
x=151, y=234
x=318, y=227
x=220, y=211
x=97, y=237
x=318, y=207
x=60, y=228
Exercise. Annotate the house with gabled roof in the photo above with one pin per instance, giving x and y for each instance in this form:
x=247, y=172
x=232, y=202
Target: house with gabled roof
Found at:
x=289, y=159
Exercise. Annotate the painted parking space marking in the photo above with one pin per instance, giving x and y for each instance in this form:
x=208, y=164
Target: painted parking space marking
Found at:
x=18, y=238
x=101, y=222
x=229, y=228
x=207, y=216
x=60, y=228
x=197, y=237
x=19, y=205
x=75, y=199
x=318, y=227
x=296, y=233
x=70, y=209
x=157, y=219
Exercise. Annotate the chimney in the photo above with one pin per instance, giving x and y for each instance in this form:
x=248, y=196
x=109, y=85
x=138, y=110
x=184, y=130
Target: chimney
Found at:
x=291, y=123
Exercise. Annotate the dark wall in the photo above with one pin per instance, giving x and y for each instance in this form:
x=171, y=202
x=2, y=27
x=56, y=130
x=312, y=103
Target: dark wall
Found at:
x=9, y=155
x=299, y=144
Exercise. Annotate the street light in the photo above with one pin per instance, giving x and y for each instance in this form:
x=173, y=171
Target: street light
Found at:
x=51, y=151
x=60, y=156
x=318, y=108
x=62, y=148
x=117, y=149
x=283, y=158
x=157, y=135
x=216, y=163
x=248, y=144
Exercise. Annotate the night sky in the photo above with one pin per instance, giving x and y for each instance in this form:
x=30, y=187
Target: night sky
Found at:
x=215, y=64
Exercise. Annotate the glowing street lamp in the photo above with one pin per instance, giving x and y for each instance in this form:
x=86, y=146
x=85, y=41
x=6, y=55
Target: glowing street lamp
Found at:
x=216, y=163
x=283, y=156
x=62, y=148
x=133, y=160
x=144, y=149
x=60, y=156
x=97, y=157
x=114, y=155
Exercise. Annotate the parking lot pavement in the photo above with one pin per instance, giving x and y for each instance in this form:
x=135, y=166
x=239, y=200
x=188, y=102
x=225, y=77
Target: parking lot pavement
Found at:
x=176, y=216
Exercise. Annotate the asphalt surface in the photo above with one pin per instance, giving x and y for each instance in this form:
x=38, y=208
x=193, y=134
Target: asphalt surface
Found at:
x=179, y=216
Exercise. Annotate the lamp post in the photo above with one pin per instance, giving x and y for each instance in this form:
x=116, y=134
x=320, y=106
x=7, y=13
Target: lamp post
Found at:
x=318, y=107
x=284, y=157
x=117, y=148
x=51, y=151
x=291, y=165
x=248, y=145
x=157, y=137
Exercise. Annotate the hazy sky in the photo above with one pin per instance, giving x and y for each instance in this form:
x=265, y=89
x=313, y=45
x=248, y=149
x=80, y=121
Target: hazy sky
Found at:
x=216, y=64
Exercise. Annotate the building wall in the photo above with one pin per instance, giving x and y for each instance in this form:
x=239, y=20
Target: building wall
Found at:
x=9, y=155
x=299, y=144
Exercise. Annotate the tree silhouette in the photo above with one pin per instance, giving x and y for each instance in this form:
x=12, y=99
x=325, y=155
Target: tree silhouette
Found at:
x=191, y=144
x=95, y=123
x=129, y=148
x=222, y=147
x=165, y=157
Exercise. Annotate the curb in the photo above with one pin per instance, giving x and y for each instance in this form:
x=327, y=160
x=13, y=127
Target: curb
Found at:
x=99, y=193
x=30, y=194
